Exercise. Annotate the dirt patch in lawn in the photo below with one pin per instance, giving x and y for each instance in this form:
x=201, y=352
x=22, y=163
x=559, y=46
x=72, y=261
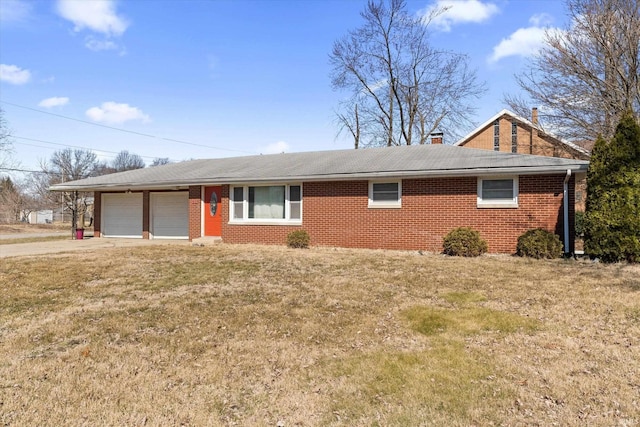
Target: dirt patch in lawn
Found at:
x=254, y=335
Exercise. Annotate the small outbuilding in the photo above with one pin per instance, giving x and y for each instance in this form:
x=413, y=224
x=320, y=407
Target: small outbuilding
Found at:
x=406, y=197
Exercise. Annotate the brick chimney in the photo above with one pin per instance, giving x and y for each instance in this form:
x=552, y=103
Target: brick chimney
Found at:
x=436, y=137
x=534, y=116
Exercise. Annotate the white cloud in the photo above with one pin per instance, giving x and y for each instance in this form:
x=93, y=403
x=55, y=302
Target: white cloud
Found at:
x=56, y=101
x=457, y=12
x=14, y=74
x=97, y=45
x=114, y=113
x=276, y=148
x=524, y=42
x=14, y=11
x=96, y=15
x=541, y=20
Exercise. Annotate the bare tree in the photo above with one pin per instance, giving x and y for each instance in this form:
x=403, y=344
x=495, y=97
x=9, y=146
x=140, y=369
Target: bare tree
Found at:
x=126, y=161
x=17, y=202
x=10, y=201
x=401, y=88
x=103, y=168
x=159, y=161
x=349, y=120
x=586, y=76
x=68, y=165
x=6, y=147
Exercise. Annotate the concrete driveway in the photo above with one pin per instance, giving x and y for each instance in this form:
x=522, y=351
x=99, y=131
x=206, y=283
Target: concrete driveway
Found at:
x=61, y=246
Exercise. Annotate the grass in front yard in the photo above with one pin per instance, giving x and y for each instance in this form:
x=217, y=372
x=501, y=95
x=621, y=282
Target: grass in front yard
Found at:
x=252, y=335
x=33, y=239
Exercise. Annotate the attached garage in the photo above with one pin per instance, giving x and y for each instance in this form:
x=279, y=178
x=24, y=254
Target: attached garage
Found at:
x=122, y=215
x=169, y=215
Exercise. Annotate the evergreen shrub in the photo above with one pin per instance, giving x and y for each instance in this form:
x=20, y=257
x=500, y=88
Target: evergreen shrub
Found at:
x=464, y=241
x=612, y=218
x=298, y=239
x=540, y=244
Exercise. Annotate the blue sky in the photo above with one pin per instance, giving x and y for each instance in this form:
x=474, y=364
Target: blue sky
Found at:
x=225, y=78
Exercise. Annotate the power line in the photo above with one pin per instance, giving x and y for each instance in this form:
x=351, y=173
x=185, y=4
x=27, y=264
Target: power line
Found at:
x=66, y=145
x=125, y=130
x=28, y=171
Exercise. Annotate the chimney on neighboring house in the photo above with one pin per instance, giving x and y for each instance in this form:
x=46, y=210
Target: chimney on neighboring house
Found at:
x=534, y=116
x=436, y=137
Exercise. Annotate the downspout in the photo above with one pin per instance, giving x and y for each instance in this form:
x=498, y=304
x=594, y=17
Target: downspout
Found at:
x=565, y=204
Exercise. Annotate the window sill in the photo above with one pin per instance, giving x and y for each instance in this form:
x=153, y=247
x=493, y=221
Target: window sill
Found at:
x=497, y=205
x=258, y=222
x=384, y=206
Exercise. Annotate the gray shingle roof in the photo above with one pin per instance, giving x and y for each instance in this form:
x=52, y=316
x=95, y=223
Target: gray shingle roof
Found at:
x=404, y=161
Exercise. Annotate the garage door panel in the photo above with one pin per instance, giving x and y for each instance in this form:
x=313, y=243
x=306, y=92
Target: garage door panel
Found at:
x=122, y=215
x=170, y=215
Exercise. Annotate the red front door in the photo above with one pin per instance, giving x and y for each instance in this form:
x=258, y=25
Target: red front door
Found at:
x=212, y=211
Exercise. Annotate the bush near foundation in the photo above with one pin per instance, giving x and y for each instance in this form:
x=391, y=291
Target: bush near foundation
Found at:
x=298, y=239
x=464, y=241
x=540, y=244
x=579, y=224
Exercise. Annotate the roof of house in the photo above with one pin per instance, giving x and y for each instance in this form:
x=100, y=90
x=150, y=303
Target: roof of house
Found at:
x=527, y=122
x=372, y=163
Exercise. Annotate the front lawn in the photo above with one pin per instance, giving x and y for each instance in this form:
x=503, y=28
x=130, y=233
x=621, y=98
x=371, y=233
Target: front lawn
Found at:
x=38, y=239
x=255, y=335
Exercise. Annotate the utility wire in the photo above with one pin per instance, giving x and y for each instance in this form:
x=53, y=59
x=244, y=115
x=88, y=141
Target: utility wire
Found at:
x=125, y=130
x=28, y=171
x=65, y=145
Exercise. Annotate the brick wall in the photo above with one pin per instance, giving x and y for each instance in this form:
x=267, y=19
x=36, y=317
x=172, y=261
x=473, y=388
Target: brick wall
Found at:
x=530, y=141
x=97, y=213
x=336, y=214
x=145, y=214
x=195, y=223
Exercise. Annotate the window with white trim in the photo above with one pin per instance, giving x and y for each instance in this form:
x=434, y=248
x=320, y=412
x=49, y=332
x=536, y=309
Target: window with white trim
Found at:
x=385, y=194
x=266, y=203
x=496, y=135
x=237, y=203
x=498, y=192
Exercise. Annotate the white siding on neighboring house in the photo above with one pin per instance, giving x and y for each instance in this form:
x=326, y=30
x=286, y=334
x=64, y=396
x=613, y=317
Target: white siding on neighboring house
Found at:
x=41, y=217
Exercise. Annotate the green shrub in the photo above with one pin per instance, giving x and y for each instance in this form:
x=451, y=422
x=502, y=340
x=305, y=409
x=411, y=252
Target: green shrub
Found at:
x=579, y=224
x=612, y=218
x=539, y=243
x=464, y=241
x=298, y=239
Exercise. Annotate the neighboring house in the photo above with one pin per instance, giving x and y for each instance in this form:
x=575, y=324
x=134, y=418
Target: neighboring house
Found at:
x=406, y=197
x=508, y=132
x=44, y=216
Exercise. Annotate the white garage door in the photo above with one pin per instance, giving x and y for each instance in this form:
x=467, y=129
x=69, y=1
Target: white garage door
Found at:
x=122, y=215
x=170, y=215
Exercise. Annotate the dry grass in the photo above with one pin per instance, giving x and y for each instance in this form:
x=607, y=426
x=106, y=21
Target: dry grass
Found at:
x=19, y=228
x=250, y=335
x=33, y=239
